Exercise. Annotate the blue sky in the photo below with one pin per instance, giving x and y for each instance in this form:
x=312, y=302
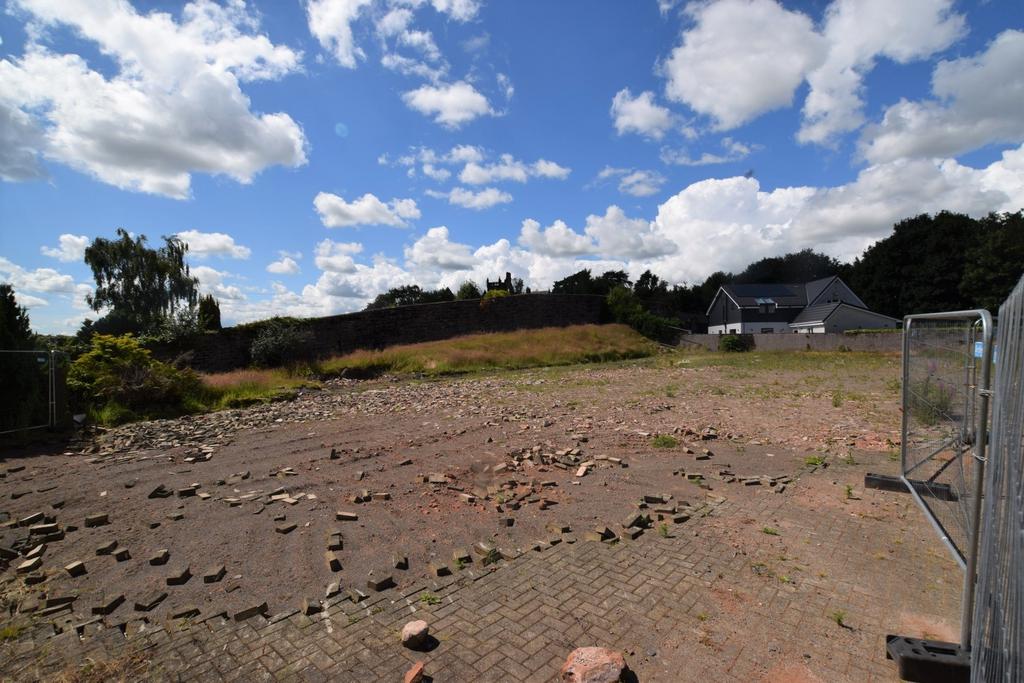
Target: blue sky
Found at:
x=315, y=153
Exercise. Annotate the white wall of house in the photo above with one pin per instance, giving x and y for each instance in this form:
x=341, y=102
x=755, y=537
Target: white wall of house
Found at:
x=749, y=328
x=816, y=329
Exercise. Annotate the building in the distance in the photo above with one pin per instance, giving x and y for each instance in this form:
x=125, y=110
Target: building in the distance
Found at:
x=826, y=305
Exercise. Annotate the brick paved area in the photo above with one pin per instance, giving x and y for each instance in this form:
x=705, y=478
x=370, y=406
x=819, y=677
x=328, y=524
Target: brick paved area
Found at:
x=798, y=586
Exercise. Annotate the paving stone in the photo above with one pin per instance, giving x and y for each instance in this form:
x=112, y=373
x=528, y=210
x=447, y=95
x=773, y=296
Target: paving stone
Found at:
x=30, y=565
x=440, y=569
x=250, y=612
x=309, y=606
x=333, y=561
x=333, y=589
x=107, y=548
x=356, y=594
x=99, y=519
x=179, y=576
x=380, y=581
x=108, y=604
x=214, y=574
x=399, y=562
x=76, y=568
x=186, y=612
x=160, y=557
x=461, y=556
x=150, y=600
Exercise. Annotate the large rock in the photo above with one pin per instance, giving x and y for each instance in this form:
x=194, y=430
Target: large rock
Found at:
x=415, y=634
x=593, y=665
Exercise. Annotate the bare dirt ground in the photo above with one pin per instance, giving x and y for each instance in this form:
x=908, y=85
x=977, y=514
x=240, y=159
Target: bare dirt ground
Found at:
x=507, y=460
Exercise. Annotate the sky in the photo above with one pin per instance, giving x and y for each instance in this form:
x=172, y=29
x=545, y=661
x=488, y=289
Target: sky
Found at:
x=315, y=153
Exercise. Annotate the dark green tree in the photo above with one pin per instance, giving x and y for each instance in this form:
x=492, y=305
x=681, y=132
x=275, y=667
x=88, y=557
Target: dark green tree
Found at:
x=15, y=330
x=584, y=283
x=410, y=294
x=468, y=290
x=800, y=266
x=209, y=313
x=995, y=262
x=143, y=287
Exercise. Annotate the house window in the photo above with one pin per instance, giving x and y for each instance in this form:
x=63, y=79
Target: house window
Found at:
x=767, y=330
x=766, y=305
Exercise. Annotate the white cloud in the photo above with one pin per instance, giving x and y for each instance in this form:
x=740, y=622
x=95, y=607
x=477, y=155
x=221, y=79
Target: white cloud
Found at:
x=640, y=114
x=335, y=212
x=40, y=280
x=286, y=265
x=70, y=248
x=336, y=257
x=330, y=22
x=203, y=244
x=435, y=250
x=639, y=183
x=977, y=102
x=28, y=301
x=451, y=104
x=511, y=169
x=857, y=33
x=733, y=150
x=558, y=239
x=483, y=199
x=725, y=224
x=437, y=173
x=20, y=138
x=173, y=106
x=741, y=58
x=505, y=83
x=460, y=10
x=211, y=281
x=620, y=237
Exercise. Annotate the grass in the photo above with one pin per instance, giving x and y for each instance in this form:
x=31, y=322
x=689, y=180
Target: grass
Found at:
x=771, y=531
x=10, y=632
x=783, y=361
x=246, y=387
x=429, y=598
x=132, y=667
x=664, y=441
x=549, y=346
x=663, y=530
x=838, y=616
x=814, y=460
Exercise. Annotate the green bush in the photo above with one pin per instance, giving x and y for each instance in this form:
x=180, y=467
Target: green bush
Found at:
x=735, y=343
x=117, y=379
x=625, y=307
x=280, y=342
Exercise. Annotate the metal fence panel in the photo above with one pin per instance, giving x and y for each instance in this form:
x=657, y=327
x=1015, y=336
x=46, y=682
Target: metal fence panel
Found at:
x=998, y=633
x=944, y=364
x=32, y=395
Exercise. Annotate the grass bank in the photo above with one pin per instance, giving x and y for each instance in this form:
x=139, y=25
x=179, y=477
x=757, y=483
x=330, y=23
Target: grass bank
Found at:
x=504, y=350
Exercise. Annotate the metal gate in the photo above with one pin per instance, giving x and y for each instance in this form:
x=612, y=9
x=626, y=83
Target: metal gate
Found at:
x=998, y=634
x=947, y=362
x=33, y=394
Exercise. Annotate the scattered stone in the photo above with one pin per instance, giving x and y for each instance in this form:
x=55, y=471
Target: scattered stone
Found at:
x=179, y=577
x=250, y=612
x=160, y=491
x=149, y=601
x=187, y=612
x=176, y=516
x=380, y=582
x=30, y=565
x=107, y=548
x=122, y=555
x=414, y=674
x=415, y=634
x=334, y=454
x=188, y=491
x=37, y=551
x=400, y=562
x=593, y=665
x=309, y=606
x=336, y=541
x=76, y=568
x=440, y=569
x=42, y=529
x=99, y=519
x=108, y=604
x=346, y=516
x=333, y=561
x=214, y=574
x=160, y=557
x=356, y=594
x=286, y=528
x=333, y=589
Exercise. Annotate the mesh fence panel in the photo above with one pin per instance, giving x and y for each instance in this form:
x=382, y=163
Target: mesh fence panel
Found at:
x=940, y=391
x=26, y=393
x=998, y=629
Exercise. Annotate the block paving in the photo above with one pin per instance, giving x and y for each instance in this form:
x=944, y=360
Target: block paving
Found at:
x=701, y=604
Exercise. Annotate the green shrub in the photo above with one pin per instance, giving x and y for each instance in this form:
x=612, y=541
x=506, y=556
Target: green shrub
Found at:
x=735, y=343
x=117, y=379
x=625, y=307
x=280, y=342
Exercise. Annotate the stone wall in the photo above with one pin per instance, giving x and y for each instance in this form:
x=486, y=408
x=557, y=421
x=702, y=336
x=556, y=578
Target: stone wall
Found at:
x=340, y=334
x=889, y=342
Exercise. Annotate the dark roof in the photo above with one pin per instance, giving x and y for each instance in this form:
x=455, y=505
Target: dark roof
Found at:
x=782, y=295
x=817, y=287
x=818, y=313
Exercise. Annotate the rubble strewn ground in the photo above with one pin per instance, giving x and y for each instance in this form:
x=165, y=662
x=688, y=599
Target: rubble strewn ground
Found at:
x=368, y=491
